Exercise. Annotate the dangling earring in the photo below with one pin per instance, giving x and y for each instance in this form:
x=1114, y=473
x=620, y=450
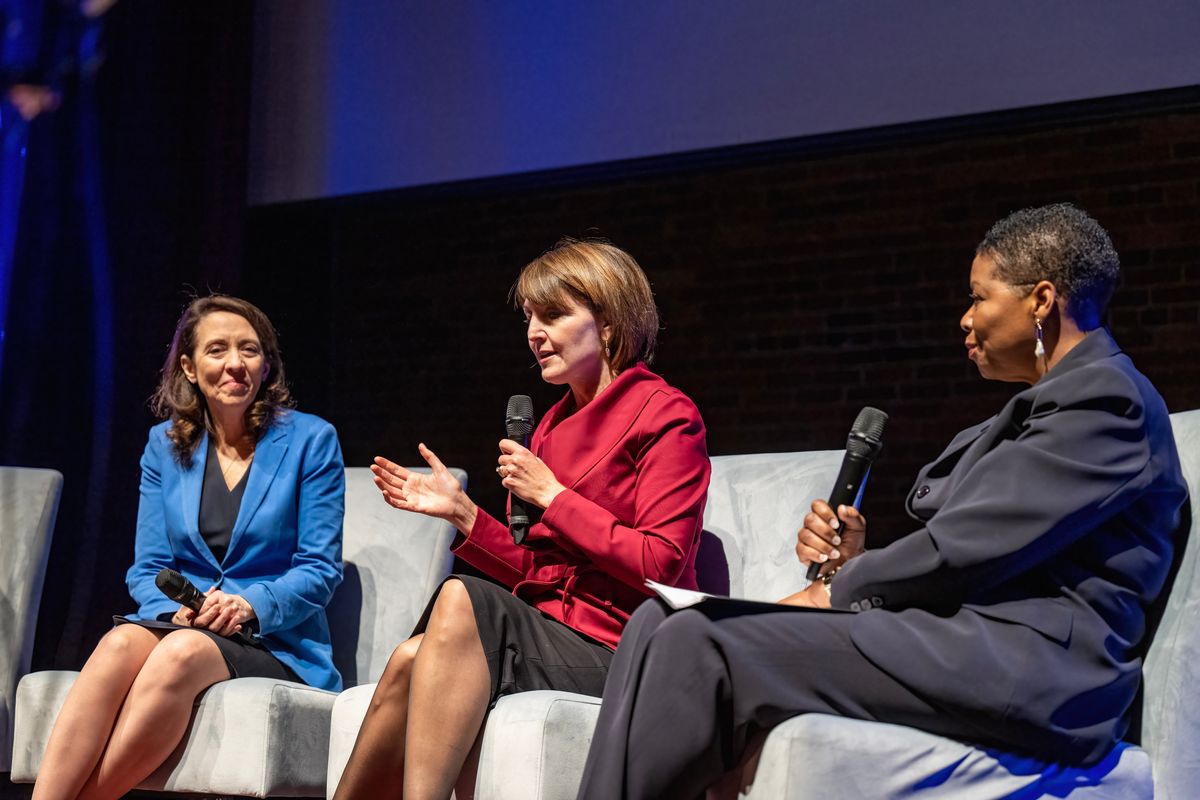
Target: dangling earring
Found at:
x=607, y=354
x=1039, y=349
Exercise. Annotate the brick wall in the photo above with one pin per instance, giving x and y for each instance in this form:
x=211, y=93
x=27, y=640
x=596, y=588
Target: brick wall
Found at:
x=796, y=284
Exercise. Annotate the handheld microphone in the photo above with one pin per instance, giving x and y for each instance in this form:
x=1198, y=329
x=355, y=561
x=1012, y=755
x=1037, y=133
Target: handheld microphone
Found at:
x=862, y=446
x=518, y=425
x=182, y=591
x=179, y=589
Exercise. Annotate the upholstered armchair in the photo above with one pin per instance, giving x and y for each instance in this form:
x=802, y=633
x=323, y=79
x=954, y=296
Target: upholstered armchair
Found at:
x=255, y=737
x=807, y=755
x=28, y=507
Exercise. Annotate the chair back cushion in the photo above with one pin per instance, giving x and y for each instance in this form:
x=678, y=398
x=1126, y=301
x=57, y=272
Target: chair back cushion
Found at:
x=756, y=504
x=393, y=561
x=1171, y=673
x=28, y=506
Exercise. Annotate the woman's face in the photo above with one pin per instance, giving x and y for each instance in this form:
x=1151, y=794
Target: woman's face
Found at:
x=1000, y=327
x=567, y=341
x=228, y=365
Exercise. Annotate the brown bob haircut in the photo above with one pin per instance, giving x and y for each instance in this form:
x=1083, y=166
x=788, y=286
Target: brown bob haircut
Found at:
x=180, y=401
x=608, y=281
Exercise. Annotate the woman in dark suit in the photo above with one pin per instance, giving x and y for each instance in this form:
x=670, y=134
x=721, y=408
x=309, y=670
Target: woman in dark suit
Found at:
x=619, y=468
x=238, y=493
x=1014, y=617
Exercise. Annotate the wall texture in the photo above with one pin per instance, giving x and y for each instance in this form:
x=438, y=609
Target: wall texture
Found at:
x=796, y=284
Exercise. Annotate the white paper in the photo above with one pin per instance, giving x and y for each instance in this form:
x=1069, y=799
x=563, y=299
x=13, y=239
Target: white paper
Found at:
x=675, y=597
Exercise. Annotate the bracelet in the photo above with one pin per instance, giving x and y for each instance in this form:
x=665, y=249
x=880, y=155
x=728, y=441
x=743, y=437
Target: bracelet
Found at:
x=826, y=579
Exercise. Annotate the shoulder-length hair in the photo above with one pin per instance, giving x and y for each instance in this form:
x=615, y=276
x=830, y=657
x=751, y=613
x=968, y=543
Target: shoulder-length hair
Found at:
x=608, y=281
x=181, y=401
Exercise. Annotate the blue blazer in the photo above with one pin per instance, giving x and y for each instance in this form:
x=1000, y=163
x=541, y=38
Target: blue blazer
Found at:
x=285, y=554
x=1048, y=531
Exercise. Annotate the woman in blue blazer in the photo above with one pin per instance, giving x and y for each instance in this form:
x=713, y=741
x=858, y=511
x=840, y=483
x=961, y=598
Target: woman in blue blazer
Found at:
x=1015, y=616
x=244, y=497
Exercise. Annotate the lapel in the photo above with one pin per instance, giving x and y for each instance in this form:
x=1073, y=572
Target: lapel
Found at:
x=1096, y=345
x=573, y=445
x=268, y=455
x=191, y=483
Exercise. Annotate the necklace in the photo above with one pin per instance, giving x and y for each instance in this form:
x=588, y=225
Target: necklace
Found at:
x=235, y=460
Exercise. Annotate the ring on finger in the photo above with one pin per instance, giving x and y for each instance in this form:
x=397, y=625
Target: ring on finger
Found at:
x=500, y=471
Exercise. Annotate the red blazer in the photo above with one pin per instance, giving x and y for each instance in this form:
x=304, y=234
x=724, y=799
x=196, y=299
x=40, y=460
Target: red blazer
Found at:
x=635, y=465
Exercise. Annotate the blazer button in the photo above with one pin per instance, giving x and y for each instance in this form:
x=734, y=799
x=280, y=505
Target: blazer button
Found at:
x=924, y=490
x=854, y=605
x=877, y=601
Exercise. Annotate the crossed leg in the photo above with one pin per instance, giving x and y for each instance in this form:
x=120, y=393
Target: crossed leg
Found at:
x=427, y=709
x=127, y=711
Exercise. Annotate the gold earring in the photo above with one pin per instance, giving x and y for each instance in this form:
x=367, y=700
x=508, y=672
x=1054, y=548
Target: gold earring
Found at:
x=607, y=354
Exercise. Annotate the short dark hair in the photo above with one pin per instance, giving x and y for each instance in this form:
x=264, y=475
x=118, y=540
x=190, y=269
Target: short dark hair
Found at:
x=608, y=281
x=1062, y=244
x=180, y=401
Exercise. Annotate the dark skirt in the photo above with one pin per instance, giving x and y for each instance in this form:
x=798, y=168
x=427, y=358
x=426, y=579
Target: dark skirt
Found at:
x=244, y=660
x=525, y=649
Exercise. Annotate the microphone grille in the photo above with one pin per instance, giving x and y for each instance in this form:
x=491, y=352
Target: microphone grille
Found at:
x=866, y=435
x=869, y=423
x=518, y=420
x=169, y=582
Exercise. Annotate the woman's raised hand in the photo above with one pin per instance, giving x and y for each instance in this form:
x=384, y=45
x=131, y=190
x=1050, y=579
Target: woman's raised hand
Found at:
x=826, y=539
x=526, y=475
x=437, y=494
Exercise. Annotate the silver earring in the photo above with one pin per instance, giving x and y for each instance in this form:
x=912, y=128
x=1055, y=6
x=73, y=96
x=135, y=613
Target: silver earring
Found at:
x=1039, y=349
x=607, y=354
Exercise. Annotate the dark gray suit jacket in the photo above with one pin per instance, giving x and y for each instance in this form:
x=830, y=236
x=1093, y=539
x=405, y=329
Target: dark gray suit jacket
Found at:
x=1048, y=531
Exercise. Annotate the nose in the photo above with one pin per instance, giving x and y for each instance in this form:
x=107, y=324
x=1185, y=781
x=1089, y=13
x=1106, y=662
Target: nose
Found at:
x=534, y=332
x=235, y=363
x=967, y=320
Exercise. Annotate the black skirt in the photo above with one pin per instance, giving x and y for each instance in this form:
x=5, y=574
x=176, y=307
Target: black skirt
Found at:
x=244, y=659
x=525, y=649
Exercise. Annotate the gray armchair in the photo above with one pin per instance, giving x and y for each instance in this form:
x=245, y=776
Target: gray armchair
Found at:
x=807, y=755
x=255, y=737
x=28, y=507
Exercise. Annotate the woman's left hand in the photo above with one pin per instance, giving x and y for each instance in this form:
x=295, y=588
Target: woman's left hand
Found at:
x=812, y=596
x=223, y=614
x=526, y=475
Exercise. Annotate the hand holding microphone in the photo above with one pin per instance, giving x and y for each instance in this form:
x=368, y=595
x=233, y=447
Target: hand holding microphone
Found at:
x=530, y=483
x=217, y=611
x=828, y=535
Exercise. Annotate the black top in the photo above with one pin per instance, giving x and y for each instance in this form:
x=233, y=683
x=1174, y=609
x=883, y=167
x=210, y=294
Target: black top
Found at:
x=219, y=505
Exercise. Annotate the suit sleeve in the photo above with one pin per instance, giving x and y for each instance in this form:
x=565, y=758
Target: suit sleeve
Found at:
x=670, y=488
x=1079, y=458
x=490, y=548
x=151, y=547
x=316, y=566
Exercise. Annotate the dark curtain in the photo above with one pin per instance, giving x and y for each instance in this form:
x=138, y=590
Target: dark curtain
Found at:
x=133, y=197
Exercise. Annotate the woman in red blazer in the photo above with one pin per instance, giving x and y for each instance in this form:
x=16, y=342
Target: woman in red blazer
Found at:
x=620, y=471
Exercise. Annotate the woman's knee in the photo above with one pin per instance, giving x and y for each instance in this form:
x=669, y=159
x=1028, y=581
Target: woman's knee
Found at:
x=393, y=684
x=125, y=643
x=649, y=615
x=399, y=666
x=686, y=631
x=453, y=616
x=184, y=658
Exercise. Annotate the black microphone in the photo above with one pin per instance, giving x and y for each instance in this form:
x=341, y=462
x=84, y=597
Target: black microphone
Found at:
x=862, y=446
x=182, y=591
x=518, y=425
